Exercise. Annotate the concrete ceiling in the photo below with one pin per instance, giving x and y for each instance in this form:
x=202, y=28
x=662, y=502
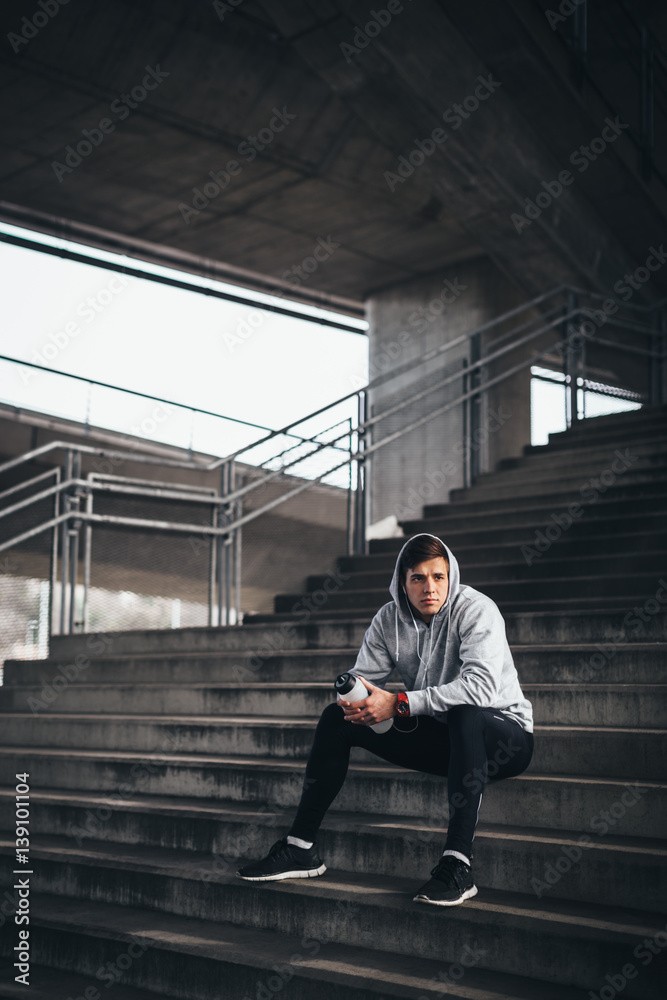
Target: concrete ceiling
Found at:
x=225, y=69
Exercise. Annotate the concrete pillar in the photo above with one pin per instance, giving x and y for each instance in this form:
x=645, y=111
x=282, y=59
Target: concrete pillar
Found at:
x=408, y=321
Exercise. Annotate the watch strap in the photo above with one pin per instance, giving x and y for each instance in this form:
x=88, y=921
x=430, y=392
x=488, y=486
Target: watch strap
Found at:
x=403, y=701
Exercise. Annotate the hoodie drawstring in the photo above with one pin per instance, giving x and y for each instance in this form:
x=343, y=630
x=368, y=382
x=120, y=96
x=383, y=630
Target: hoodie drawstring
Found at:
x=396, y=623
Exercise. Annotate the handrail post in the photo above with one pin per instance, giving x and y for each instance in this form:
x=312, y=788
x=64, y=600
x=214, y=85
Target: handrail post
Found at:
x=220, y=547
x=228, y=551
x=238, y=553
x=571, y=364
x=466, y=425
x=87, y=559
x=73, y=534
x=361, y=499
x=475, y=421
x=212, y=566
x=350, y=494
x=54, y=557
x=64, y=547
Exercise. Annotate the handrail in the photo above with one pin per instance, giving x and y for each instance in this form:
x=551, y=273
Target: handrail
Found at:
x=428, y=356
x=287, y=429
x=228, y=517
x=131, y=392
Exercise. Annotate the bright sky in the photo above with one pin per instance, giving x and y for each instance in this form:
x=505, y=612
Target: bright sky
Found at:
x=233, y=359
x=230, y=358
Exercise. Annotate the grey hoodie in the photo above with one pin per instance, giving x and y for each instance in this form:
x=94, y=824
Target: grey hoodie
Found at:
x=461, y=658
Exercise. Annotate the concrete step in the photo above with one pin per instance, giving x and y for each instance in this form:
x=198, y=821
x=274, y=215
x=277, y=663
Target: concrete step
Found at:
x=645, y=416
x=263, y=639
x=575, y=486
x=564, y=465
x=533, y=529
x=584, y=493
x=571, y=943
x=644, y=442
x=599, y=455
x=585, y=529
x=620, y=662
x=551, y=565
x=47, y=984
x=576, y=621
x=572, y=476
x=611, y=437
x=629, y=510
x=269, y=634
x=184, y=958
x=587, y=590
x=183, y=668
x=604, y=751
x=547, y=863
x=560, y=802
x=506, y=552
x=601, y=704
x=561, y=606
x=592, y=429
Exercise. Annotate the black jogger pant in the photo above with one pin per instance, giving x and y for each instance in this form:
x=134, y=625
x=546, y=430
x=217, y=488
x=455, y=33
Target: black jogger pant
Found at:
x=473, y=746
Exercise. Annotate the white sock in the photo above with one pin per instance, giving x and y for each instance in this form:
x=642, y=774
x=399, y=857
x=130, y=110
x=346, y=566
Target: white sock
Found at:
x=457, y=854
x=299, y=843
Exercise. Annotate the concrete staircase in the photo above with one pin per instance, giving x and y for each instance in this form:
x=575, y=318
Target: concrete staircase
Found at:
x=159, y=759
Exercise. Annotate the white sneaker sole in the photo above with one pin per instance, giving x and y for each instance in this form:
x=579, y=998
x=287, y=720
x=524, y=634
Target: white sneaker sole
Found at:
x=468, y=894
x=301, y=873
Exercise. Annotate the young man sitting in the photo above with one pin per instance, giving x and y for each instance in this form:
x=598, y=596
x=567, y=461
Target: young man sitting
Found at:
x=463, y=715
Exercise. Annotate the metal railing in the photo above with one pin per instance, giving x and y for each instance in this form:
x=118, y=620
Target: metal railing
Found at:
x=573, y=316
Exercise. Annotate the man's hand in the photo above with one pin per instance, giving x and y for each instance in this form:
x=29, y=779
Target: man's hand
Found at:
x=379, y=705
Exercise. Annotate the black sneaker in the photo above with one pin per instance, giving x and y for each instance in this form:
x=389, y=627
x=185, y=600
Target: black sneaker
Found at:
x=450, y=884
x=284, y=861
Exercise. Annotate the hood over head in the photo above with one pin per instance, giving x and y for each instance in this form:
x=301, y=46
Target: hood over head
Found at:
x=397, y=590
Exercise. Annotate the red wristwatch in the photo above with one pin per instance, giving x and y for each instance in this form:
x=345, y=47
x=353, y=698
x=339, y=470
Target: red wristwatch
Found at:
x=403, y=705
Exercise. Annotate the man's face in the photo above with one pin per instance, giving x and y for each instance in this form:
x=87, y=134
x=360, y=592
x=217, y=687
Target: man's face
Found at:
x=427, y=586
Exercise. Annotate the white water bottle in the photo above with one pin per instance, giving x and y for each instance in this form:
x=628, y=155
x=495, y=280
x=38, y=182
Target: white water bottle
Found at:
x=352, y=689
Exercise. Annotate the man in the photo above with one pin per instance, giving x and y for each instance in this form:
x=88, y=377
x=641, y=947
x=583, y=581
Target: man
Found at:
x=463, y=715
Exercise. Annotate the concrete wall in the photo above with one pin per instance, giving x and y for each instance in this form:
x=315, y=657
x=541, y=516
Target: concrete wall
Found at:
x=407, y=322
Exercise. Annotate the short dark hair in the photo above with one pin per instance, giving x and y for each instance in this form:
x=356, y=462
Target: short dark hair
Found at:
x=419, y=549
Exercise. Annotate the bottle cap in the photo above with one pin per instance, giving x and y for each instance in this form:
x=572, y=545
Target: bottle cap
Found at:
x=344, y=683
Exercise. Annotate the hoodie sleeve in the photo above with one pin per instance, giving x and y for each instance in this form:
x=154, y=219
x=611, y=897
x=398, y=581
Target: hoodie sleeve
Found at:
x=482, y=655
x=374, y=661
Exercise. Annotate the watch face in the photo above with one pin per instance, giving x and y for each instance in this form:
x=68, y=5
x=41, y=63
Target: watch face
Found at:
x=403, y=708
